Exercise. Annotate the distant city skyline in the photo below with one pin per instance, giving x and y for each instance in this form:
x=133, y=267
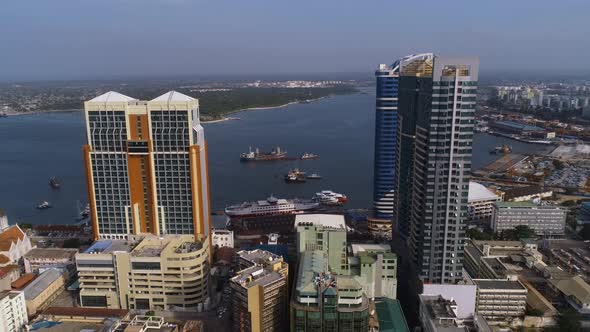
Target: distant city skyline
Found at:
x=92, y=40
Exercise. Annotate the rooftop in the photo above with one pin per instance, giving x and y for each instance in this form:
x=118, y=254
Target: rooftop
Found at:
x=258, y=256
x=524, y=191
x=464, y=296
x=40, y=284
x=371, y=248
x=391, y=316
x=518, y=125
x=112, y=96
x=173, y=96
x=107, y=247
x=478, y=192
x=326, y=220
x=85, y=312
x=11, y=294
x=256, y=275
x=498, y=284
x=575, y=287
x=311, y=263
x=24, y=280
x=11, y=235
x=440, y=313
x=51, y=253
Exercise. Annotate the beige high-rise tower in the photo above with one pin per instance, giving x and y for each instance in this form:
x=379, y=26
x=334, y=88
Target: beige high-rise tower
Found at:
x=146, y=165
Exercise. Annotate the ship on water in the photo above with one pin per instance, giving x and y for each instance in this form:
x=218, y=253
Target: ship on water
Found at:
x=54, y=183
x=44, y=205
x=309, y=156
x=270, y=206
x=257, y=155
x=328, y=197
x=295, y=176
x=314, y=176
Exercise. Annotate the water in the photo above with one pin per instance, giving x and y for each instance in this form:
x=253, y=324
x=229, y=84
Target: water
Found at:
x=340, y=129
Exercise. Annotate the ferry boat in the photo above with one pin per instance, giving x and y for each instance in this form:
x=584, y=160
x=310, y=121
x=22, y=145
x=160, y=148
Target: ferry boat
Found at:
x=308, y=156
x=328, y=197
x=44, y=205
x=257, y=155
x=54, y=183
x=314, y=176
x=270, y=206
x=295, y=176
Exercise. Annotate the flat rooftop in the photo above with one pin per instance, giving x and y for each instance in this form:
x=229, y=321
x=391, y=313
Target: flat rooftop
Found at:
x=256, y=275
x=478, y=192
x=326, y=220
x=108, y=246
x=498, y=284
x=39, y=285
x=368, y=247
x=257, y=256
x=51, y=253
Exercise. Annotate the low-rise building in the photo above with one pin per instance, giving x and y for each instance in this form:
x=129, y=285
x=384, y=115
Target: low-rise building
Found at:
x=14, y=243
x=8, y=274
x=493, y=259
x=526, y=194
x=13, y=311
x=222, y=238
x=260, y=292
x=151, y=273
x=44, y=289
x=545, y=220
x=39, y=259
x=583, y=214
x=500, y=300
x=575, y=290
x=481, y=201
x=439, y=314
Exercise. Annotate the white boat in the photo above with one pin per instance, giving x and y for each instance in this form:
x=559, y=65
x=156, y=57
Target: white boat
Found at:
x=44, y=205
x=328, y=197
x=270, y=206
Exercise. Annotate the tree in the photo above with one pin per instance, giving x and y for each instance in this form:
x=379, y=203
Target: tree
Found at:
x=558, y=164
x=567, y=321
x=517, y=233
x=476, y=234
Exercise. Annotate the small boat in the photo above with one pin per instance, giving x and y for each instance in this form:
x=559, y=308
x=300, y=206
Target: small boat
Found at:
x=501, y=149
x=314, y=176
x=44, y=205
x=85, y=213
x=328, y=197
x=295, y=176
x=54, y=183
x=308, y=156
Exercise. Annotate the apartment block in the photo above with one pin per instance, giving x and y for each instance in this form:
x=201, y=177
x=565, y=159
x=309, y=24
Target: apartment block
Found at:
x=165, y=273
x=260, y=292
x=13, y=311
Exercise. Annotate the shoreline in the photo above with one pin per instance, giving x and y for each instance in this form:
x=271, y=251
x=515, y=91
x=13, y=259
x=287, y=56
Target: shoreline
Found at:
x=226, y=116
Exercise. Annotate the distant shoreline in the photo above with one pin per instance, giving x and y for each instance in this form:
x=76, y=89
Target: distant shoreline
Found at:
x=223, y=119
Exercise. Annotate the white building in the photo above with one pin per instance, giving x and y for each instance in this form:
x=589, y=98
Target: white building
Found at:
x=481, y=201
x=13, y=311
x=546, y=220
x=223, y=238
x=500, y=300
x=14, y=243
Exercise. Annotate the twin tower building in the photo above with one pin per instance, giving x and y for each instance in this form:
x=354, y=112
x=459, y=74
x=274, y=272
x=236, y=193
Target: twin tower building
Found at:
x=146, y=162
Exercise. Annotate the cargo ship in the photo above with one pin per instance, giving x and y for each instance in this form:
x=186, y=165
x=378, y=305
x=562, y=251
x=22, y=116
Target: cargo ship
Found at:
x=295, y=176
x=257, y=155
x=328, y=197
x=270, y=206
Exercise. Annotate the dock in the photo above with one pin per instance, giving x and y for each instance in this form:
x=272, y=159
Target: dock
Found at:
x=503, y=164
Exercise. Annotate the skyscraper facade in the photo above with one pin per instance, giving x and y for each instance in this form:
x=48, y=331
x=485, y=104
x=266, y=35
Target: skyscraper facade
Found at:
x=387, y=145
x=146, y=165
x=437, y=105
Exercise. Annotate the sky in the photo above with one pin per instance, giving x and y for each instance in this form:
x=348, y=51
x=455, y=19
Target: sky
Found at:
x=86, y=39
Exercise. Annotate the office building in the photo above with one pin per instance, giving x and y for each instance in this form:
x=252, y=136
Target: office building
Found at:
x=436, y=100
x=374, y=266
x=500, y=300
x=545, y=220
x=146, y=165
x=481, y=201
x=156, y=273
x=13, y=311
x=326, y=233
x=528, y=193
x=387, y=146
x=260, y=292
x=322, y=301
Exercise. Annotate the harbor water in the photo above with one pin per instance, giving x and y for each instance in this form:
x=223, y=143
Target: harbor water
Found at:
x=33, y=148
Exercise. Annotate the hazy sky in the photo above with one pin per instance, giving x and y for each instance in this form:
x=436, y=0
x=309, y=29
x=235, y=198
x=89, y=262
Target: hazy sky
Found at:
x=99, y=38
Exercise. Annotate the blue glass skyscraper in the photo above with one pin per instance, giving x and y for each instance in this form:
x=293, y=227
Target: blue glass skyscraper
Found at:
x=387, y=144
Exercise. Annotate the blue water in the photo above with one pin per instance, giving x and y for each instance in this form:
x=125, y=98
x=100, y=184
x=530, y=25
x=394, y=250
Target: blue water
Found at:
x=340, y=129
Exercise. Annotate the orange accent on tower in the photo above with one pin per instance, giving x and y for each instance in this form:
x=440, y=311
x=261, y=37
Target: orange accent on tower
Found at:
x=90, y=187
x=195, y=166
x=208, y=202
